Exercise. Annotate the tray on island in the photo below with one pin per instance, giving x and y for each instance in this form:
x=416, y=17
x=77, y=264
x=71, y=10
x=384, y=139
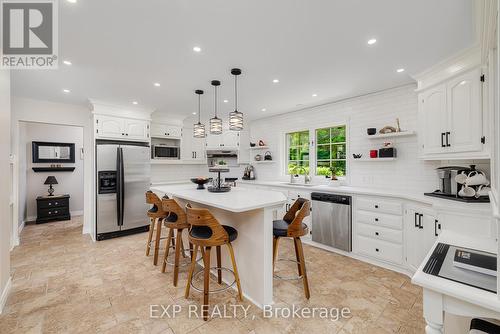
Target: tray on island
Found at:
x=222, y=189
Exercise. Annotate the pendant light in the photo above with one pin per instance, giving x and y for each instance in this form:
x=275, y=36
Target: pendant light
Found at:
x=236, y=117
x=215, y=122
x=198, y=128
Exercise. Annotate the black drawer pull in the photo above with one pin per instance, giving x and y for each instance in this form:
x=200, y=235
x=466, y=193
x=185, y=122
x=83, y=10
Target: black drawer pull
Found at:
x=376, y=249
x=376, y=219
x=376, y=233
x=376, y=206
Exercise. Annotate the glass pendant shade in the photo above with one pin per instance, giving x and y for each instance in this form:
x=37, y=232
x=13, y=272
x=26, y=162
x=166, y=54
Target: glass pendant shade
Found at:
x=199, y=128
x=216, y=126
x=236, y=117
x=236, y=121
x=215, y=122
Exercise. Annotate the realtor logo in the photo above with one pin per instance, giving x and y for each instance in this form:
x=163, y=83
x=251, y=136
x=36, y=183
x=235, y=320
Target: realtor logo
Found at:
x=29, y=34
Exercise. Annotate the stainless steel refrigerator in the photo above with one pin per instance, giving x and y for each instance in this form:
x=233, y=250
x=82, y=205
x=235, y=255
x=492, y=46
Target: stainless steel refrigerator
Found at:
x=123, y=172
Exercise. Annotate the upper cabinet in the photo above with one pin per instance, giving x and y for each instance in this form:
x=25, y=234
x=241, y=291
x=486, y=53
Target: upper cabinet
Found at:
x=451, y=119
x=161, y=130
x=112, y=127
x=192, y=149
x=228, y=140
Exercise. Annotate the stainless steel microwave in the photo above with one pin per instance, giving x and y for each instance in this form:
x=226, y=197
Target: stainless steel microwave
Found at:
x=165, y=152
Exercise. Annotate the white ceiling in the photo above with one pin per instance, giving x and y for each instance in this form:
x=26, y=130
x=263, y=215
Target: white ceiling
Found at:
x=119, y=48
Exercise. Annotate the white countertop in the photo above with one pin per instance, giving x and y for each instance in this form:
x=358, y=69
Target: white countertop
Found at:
x=237, y=200
x=454, y=289
x=484, y=208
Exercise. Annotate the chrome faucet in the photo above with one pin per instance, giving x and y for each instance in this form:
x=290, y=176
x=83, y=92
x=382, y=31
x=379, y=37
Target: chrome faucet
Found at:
x=307, y=178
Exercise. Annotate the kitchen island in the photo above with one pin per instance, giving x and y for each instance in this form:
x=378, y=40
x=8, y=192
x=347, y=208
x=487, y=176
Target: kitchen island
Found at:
x=251, y=213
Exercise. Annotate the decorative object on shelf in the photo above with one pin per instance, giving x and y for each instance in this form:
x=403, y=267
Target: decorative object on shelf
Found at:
x=252, y=144
x=388, y=129
x=236, y=117
x=357, y=156
x=387, y=152
x=221, y=163
x=373, y=154
x=398, y=127
x=261, y=143
x=258, y=157
x=199, y=128
x=387, y=144
x=215, y=122
x=268, y=156
x=50, y=181
x=371, y=131
x=249, y=173
x=200, y=181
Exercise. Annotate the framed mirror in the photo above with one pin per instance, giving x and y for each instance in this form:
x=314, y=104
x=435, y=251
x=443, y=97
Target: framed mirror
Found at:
x=53, y=152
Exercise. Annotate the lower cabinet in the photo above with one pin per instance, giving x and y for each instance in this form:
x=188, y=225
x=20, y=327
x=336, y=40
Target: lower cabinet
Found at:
x=422, y=230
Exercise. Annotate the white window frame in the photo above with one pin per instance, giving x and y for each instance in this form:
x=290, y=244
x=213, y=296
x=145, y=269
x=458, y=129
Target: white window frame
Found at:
x=315, y=145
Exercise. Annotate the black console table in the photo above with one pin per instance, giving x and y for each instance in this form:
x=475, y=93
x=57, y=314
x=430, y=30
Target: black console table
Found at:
x=52, y=208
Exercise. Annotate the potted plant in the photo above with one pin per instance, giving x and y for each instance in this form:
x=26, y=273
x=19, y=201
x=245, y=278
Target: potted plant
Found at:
x=334, y=181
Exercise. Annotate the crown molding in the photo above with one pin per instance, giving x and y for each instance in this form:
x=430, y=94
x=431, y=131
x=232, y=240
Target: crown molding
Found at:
x=99, y=107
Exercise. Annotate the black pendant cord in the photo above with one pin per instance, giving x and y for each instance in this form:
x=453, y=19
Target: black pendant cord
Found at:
x=235, y=93
x=215, y=87
x=199, y=108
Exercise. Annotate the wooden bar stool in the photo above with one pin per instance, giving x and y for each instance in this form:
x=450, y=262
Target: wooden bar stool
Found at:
x=175, y=221
x=206, y=232
x=156, y=216
x=291, y=226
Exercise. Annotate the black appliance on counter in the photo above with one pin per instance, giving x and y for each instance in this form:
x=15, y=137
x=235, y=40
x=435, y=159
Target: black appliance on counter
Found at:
x=449, y=188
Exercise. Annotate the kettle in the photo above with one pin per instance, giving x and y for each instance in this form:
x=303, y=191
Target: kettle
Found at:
x=268, y=156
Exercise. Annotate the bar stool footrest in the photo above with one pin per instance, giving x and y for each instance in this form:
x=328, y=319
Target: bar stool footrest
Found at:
x=288, y=278
x=215, y=290
x=185, y=263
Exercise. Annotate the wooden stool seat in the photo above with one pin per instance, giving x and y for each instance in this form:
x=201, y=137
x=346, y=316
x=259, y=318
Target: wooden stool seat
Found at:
x=156, y=216
x=206, y=232
x=292, y=226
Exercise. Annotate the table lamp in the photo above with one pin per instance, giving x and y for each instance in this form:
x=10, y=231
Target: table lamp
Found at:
x=50, y=181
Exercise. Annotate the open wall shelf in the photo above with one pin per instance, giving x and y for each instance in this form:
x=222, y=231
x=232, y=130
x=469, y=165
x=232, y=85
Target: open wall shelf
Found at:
x=53, y=169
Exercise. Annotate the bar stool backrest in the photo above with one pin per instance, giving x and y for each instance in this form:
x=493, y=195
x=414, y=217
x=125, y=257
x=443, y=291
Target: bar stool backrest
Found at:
x=203, y=218
x=300, y=209
x=176, y=214
x=156, y=211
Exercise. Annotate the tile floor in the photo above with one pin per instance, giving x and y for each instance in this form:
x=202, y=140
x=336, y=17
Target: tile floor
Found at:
x=62, y=282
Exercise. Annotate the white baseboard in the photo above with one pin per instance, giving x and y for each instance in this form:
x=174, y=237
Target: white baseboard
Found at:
x=77, y=213
x=5, y=294
x=21, y=227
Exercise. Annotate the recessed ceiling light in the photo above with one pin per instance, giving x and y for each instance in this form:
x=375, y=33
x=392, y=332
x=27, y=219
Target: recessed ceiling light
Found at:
x=263, y=109
x=194, y=113
x=66, y=91
x=67, y=62
x=196, y=49
x=157, y=84
x=372, y=41
x=71, y=1
x=226, y=101
x=135, y=102
x=314, y=95
x=276, y=80
x=399, y=70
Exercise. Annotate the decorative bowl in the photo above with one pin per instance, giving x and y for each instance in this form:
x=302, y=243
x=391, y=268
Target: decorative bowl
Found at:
x=371, y=131
x=200, y=181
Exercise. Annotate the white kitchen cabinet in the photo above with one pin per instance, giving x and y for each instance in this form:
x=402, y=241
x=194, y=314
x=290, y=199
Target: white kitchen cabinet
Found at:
x=112, y=127
x=192, y=149
x=422, y=230
x=450, y=118
x=161, y=130
x=228, y=140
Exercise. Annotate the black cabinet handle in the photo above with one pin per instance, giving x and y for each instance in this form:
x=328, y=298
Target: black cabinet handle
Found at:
x=376, y=249
x=448, y=139
x=442, y=139
x=416, y=216
x=376, y=219
x=436, y=227
x=420, y=226
x=123, y=134
x=376, y=233
x=126, y=134
x=376, y=206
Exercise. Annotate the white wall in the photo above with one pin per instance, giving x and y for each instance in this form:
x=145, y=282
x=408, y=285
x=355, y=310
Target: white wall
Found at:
x=30, y=110
x=68, y=183
x=5, y=182
x=373, y=110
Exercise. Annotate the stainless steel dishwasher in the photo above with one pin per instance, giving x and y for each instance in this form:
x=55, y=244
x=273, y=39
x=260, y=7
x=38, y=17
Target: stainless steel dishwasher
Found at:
x=331, y=220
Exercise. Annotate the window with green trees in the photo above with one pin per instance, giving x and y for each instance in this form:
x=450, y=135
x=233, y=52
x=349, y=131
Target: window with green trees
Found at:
x=331, y=151
x=298, y=152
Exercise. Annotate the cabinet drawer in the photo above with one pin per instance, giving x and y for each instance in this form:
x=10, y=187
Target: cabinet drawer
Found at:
x=54, y=212
x=373, y=204
x=52, y=203
x=379, y=219
x=380, y=249
x=381, y=233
